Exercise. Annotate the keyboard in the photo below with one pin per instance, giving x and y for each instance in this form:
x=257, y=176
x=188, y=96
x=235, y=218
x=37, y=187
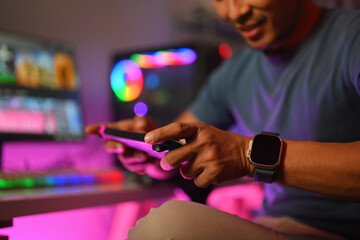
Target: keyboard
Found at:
x=15, y=180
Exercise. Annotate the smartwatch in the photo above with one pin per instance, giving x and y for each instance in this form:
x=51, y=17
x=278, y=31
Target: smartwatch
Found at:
x=264, y=154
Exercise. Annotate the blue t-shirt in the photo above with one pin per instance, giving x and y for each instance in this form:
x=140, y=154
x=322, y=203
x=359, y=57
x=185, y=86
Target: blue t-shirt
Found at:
x=311, y=93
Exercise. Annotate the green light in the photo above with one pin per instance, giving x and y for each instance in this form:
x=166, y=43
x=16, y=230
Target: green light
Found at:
x=28, y=182
x=2, y=183
x=16, y=182
x=40, y=181
x=5, y=183
x=136, y=58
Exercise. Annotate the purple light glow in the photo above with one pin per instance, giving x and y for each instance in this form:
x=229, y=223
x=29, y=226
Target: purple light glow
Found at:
x=140, y=109
x=241, y=200
x=125, y=216
x=187, y=55
x=69, y=225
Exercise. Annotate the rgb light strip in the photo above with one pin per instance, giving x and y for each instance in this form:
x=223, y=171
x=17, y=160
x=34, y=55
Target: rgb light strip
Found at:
x=171, y=57
x=29, y=181
x=126, y=76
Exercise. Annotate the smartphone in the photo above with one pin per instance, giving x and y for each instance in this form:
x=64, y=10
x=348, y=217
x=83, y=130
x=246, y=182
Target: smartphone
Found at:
x=136, y=140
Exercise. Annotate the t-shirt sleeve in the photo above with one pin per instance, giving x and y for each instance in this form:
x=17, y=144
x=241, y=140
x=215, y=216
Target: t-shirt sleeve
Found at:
x=354, y=60
x=211, y=105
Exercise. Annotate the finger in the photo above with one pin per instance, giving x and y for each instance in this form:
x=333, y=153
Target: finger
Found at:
x=176, y=130
x=134, y=167
x=139, y=124
x=177, y=157
x=121, y=149
x=189, y=171
x=114, y=147
x=132, y=156
x=204, y=179
x=92, y=128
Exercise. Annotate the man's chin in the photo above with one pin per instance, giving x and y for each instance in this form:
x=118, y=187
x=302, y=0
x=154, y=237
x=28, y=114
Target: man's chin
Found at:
x=262, y=45
x=258, y=46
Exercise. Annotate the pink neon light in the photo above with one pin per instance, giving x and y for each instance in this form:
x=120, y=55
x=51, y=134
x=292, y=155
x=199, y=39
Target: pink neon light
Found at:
x=241, y=200
x=51, y=123
x=70, y=225
x=22, y=121
x=126, y=214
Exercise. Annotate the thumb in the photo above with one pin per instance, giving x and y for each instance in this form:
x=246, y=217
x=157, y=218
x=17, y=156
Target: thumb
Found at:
x=92, y=128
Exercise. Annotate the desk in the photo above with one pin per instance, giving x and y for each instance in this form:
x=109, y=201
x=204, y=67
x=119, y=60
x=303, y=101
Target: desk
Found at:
x=24, y=202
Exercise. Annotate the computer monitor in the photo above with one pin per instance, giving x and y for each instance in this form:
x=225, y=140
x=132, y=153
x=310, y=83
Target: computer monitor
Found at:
x=39, y=89
x=162, y=81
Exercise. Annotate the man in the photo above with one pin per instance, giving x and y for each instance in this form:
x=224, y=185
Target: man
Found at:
x=300, y=78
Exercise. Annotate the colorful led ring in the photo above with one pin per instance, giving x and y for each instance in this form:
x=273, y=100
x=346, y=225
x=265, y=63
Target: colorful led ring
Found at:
x=126, y=80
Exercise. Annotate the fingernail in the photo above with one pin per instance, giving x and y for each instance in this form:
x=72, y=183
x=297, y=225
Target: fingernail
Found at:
x=119, y=148
x=165, y=165
x=149, y=138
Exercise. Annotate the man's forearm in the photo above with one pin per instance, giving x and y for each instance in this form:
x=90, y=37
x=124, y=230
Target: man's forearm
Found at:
x=331, y=169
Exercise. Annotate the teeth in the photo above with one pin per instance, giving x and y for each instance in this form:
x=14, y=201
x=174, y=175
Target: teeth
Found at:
x=249, y=28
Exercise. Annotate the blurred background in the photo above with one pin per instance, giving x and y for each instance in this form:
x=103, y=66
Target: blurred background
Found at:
x=105, y=33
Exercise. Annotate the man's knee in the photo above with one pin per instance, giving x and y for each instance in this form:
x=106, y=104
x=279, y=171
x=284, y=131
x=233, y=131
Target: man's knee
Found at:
x=189, y=220
x=170, y=219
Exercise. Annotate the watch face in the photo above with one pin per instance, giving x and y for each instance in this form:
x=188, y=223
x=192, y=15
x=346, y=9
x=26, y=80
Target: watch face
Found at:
x=266, y=149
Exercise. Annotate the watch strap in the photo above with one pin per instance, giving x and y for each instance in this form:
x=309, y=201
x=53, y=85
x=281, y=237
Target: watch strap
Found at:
x=264, y=175
x=272, y=133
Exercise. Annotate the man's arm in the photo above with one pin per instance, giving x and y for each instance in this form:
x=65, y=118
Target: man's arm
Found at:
x=331, y=169
x=212, y=155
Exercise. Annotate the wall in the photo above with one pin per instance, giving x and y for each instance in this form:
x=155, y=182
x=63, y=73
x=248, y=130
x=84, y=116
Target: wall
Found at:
x=98, y=29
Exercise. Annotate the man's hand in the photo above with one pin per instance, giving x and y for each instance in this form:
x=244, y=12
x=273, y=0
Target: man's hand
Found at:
x=210, y=155
x=131, y=159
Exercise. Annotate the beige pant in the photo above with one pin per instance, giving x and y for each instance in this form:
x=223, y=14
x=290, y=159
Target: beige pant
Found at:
x=176, y=220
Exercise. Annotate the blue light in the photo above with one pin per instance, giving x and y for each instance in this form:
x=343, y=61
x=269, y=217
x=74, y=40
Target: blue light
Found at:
x=152, y=81
x=87, y=178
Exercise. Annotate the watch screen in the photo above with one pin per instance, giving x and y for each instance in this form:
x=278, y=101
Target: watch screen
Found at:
x=265, y=149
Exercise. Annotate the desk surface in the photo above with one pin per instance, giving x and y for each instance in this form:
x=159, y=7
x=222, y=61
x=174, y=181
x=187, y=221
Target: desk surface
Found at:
x=23, y=202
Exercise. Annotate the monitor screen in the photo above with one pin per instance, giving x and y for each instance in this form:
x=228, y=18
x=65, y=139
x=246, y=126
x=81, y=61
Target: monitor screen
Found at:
x=39, y=89
x=160, y=82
